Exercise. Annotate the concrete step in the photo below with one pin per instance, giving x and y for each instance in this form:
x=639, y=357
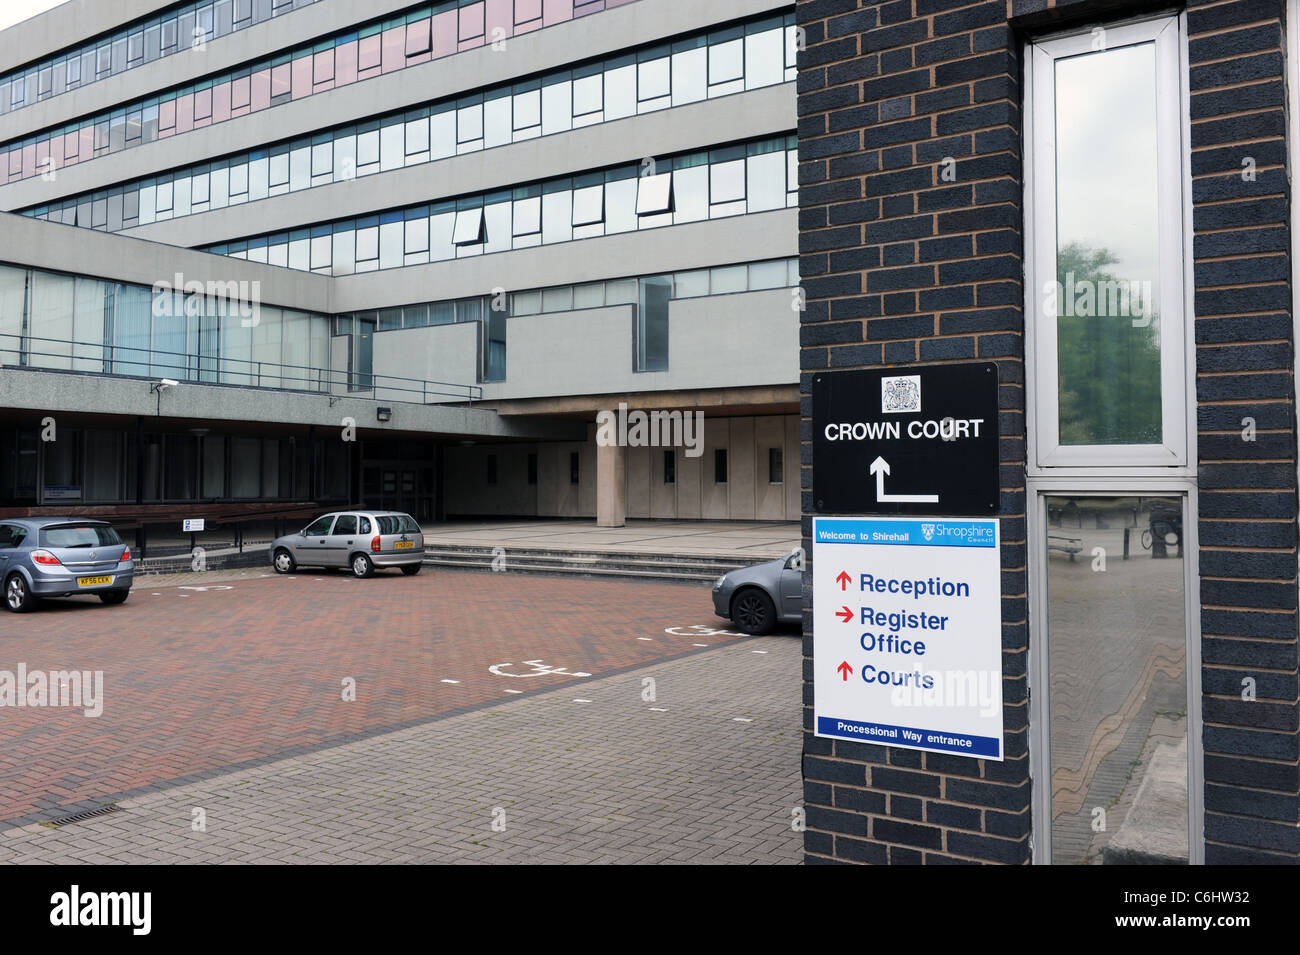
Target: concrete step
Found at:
x=696, y=568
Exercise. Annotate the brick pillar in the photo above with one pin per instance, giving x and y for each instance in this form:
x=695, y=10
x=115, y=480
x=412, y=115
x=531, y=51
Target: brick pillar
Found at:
x=901, y=265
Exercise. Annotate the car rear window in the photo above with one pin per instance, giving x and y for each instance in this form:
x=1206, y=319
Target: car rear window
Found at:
x=79, y=535
x=397, y=524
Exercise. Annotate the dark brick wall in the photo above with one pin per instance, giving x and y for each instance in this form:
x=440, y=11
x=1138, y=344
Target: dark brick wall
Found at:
x=900, y=266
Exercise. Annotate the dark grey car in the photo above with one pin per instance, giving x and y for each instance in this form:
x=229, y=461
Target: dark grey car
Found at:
x=757, y=598
x=361, y=540
x=61, y=556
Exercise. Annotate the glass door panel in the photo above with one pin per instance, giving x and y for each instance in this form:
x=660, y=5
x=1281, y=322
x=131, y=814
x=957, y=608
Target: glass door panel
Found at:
x=1117, y=683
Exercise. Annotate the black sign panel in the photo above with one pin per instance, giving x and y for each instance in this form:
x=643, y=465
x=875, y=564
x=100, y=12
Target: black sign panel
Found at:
x=914, y=440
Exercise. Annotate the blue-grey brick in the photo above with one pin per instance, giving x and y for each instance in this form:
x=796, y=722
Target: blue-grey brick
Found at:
x=1005, y=851
x=918, y=326
x=1270, y=655
x=1235, y=43
x=944, y=349
x=1254, y=773
x=1257, y=833
x=835, y=771
x=891, y=830
x=989, y=795
x=952, y=817
x=946, y=48
x=860, y=850
x=859, y=800
x=970, y=18
x=1282, y=807
x=900, y=352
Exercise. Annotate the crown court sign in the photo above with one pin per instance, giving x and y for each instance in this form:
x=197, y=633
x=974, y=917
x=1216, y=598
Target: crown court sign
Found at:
x=915, y=440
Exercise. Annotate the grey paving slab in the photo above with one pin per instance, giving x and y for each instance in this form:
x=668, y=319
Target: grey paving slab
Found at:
x=604, y=782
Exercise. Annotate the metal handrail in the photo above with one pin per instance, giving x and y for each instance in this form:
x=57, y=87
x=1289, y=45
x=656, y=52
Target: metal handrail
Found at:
x=216, y=369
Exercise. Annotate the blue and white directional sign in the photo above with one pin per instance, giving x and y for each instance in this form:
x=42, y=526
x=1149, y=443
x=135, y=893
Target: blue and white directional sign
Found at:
x=907, y=633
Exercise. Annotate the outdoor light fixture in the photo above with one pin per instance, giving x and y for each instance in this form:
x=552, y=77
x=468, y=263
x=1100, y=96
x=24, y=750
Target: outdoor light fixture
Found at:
x=384, y=414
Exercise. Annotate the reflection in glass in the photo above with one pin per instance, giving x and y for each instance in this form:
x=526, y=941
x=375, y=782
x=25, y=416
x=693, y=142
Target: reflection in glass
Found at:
x=1107, y=259
x=1116, y=643
x=652, y=322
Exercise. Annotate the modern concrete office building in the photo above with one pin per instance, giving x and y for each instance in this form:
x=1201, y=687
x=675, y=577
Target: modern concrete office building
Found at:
x=400, y=254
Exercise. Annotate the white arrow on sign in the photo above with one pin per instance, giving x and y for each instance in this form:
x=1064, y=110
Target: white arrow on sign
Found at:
x=880, y=467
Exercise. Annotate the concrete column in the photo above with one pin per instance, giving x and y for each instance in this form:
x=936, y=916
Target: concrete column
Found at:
x=611, y=485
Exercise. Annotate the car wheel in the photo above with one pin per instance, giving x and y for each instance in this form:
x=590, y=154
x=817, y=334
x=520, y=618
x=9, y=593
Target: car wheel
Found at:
x=284, y=562
x=752, y=612
x=114, y=597
x=362, y=566
x=18, y=596
x=411, y=569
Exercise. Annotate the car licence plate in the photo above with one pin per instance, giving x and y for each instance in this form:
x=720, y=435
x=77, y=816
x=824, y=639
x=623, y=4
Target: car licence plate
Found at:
x=403, y=545
x=93, y=581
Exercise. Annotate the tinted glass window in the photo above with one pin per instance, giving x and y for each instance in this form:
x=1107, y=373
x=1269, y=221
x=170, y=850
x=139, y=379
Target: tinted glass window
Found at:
x=319, y=526
x=11, y=535
x=364, y=525
x=79, y=535
x=346, y=524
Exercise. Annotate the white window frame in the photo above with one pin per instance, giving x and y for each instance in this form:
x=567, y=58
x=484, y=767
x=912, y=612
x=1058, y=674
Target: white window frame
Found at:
x=654, y=194
x=1111, y=471
x=1047, y=454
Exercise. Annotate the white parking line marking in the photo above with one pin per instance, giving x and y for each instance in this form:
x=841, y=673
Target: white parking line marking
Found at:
x=646, y=639
x=581, y=701
x=658, y=709
x=451, y=681
x=514, y=691
x=699, y=644
x=758, y=651
x=740, y=719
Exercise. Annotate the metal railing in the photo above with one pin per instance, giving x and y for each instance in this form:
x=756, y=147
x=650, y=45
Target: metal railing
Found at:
x=129, y=361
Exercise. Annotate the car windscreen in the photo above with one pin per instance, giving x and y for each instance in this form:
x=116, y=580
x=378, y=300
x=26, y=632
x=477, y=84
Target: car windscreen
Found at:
x=79, y=535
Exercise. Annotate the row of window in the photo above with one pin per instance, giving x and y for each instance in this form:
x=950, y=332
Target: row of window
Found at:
x=104, y=467
x=775, y=467
x=175, y=31
x=651, y=294
x=720, y=280
x=75, y=323
x=733, y=180
x=750, y=56
x=338, y=61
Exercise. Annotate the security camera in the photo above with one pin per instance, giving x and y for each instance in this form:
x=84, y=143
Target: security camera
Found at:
x=159, y=386
x=169, y=382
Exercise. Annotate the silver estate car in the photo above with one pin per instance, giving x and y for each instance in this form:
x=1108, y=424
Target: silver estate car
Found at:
x=757, y=598
x=61, y=556
x=359, y=540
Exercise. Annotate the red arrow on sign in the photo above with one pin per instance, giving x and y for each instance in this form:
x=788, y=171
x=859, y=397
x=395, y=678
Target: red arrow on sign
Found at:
x=843, y=580
x=844, y=670
x=845, y=614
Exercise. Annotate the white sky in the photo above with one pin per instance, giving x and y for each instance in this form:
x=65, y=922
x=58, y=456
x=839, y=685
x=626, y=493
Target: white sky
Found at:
x=16, y=11
x=1106, y=156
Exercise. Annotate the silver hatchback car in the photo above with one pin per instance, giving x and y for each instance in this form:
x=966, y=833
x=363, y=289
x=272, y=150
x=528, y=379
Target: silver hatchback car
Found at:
x=61, y=556
x=359, y=540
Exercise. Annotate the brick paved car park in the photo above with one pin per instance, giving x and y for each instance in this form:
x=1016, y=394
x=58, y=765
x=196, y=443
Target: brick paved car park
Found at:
x=213, y=680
